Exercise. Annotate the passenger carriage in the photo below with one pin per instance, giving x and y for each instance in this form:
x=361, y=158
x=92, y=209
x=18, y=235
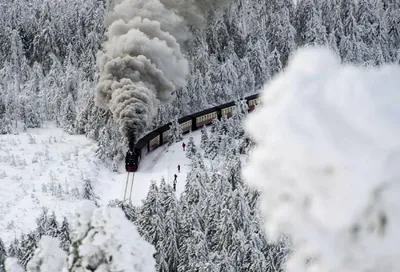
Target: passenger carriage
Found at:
x=253, y=101
x=205, y=117
x=227, y=109
x=165, y=131
x=154, y=140
x=186, y=123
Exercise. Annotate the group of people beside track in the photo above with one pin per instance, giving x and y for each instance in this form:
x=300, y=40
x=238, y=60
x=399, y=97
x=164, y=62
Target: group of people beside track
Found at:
x=179, y=170
x=131, y=164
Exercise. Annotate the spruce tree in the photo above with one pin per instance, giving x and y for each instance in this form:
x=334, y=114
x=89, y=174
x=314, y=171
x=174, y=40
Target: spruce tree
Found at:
x=3, y=255
x=28, y=246
x=88, y=192
x=63, y=235
x=204, y=138
x=191, y=148
x=175, y=131
x=52, y=226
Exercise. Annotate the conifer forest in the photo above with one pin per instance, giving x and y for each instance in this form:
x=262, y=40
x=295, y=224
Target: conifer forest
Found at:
x=48, y=74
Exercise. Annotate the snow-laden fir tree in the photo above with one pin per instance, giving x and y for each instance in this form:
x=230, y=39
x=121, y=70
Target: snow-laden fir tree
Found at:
x=27, y=247
x=63, y=235
x=99, y=242
x=204, y=137
x=88, y=192
x=3, y=256
x=171, y=239
x=191, y=148
x=12, y=265
x=151, y=221
x=175, y=133
x=48, y=257
x=13, y=249
x=52, y=226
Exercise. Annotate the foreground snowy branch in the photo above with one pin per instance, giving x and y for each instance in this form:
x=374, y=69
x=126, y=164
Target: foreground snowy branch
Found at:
x=327, y=149
x=102, y=239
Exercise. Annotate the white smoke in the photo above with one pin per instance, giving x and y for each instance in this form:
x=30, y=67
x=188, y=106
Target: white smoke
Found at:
x=327, y=162
x=141, y=63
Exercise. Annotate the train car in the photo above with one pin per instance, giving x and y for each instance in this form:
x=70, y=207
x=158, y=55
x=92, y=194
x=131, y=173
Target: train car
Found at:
x=227, y=109
x=205, y=117
x=187, y=123
x=141, y=148
x=253, y=101
x=154, y=140
x=165, y=133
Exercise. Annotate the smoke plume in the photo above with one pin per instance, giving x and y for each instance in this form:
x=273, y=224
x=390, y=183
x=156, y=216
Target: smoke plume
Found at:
x=141, y=63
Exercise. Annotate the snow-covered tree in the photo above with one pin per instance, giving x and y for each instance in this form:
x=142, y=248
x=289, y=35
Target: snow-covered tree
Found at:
x=99, y=241
x=175, y=131
x=63, y=235
x=12, y=265
x=3, y=256
x=191, y=148
x=48, y=257
x=27, y=247
x=88, y=192
x=204, y=137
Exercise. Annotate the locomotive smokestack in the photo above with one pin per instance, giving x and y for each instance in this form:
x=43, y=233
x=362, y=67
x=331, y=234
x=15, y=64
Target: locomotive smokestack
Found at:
x=141, y=63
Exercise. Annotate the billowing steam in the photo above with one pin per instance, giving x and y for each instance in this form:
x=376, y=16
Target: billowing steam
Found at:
x=141, y=62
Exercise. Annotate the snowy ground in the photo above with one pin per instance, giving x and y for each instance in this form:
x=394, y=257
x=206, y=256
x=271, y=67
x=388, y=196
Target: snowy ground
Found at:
x=47, y=167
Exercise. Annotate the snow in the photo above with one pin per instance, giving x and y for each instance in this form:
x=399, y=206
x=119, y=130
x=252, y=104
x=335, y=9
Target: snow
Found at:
x=327, y=140
x=11, y=265
x=53, y=158
x=101, y=235
x=48, y=257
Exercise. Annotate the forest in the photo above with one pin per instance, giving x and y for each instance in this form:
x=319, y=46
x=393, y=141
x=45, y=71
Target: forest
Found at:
x=48, y=56
x=215, y=225
x=48, y=74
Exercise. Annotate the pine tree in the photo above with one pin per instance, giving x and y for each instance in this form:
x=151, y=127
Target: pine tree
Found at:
x=257, y=63
x=63, y=235
x=175, y=131
x=191, y=148
x=48, y=257
x=28, y=246
x=69, y=115
x=105, y=231
x=151, y=219
x=14, y=250
x=42, y=223
x=274, y=62
x=169, y=245
x=3, y=256
x=204, y=138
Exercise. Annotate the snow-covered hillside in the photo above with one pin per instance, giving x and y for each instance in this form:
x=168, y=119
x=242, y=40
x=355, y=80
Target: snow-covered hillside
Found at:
x=49, y=168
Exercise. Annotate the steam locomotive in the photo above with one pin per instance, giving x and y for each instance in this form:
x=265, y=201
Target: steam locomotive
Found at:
x=188, y=123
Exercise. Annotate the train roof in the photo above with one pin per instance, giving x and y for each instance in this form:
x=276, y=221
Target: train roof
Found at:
x=207, y=111
x=152, y=135
x=254, y=96
x=164, y=128
x=185, y=118
x=141, y=143
x=227, y=105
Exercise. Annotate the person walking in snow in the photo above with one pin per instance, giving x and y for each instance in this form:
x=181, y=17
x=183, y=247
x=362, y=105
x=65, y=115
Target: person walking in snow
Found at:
x=183, y=146
x=179, y=168
x=175, y=181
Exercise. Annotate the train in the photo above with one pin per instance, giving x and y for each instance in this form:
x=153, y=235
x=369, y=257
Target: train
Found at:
x=192, y=122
